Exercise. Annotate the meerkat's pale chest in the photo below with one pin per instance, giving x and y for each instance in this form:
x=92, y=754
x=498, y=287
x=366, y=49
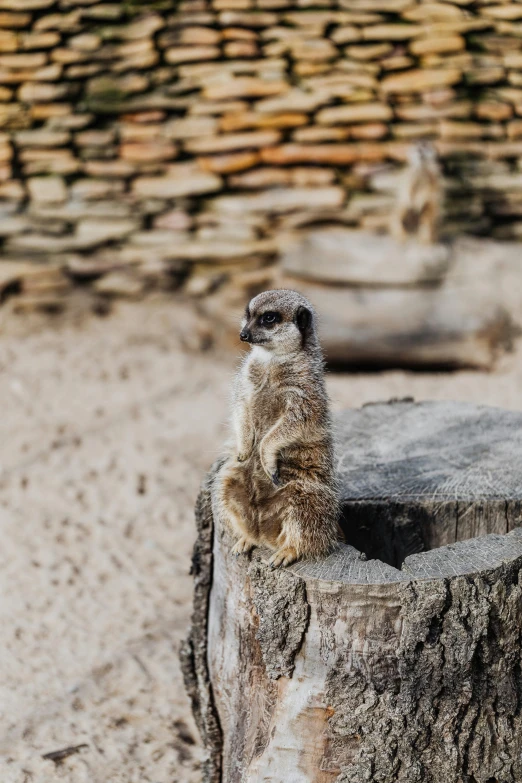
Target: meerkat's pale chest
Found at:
x=261, y=391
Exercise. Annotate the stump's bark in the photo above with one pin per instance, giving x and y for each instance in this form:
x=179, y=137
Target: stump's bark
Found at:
x=355, y=669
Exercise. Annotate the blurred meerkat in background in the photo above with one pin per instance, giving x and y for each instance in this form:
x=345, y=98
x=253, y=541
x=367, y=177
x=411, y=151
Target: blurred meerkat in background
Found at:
x=419, y=198
x=277, y=488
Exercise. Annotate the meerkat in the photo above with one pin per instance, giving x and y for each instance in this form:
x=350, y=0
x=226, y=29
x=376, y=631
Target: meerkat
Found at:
x=277, y=487
x=420, y=196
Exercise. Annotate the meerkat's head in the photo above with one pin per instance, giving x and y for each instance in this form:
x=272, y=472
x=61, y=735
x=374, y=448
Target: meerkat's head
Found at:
x=422, y=153
x=281, y=321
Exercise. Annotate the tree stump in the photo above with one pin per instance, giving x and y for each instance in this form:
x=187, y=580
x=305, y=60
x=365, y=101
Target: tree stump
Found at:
x=398, y=658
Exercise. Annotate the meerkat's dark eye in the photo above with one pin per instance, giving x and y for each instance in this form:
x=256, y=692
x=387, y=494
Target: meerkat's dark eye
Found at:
x=269, y=319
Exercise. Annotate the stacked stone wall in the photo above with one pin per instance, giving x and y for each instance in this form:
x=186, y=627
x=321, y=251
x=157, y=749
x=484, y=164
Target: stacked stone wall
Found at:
x=166, y=135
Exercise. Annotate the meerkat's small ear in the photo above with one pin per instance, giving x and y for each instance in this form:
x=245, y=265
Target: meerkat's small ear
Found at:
x=303, y=319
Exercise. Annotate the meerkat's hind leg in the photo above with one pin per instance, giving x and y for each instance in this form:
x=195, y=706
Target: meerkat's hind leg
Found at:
x=284, y=556
x=243, y=546
x=428, y=224
x=245, y=543
x=232, y=507
x=285, y=553
x=397, y=229
x=310, y=527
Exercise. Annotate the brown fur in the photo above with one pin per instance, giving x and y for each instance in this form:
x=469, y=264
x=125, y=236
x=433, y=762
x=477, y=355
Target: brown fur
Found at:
x=419, y=198
x=277, y=487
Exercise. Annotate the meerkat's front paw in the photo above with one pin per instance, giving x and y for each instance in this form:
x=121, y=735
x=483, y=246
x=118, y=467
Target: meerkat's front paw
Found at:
x=271, y=471
x=283, y=557
x=242, y=547
x=244, y=451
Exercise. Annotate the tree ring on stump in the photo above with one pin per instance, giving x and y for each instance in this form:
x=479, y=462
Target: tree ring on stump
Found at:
x=398, y=658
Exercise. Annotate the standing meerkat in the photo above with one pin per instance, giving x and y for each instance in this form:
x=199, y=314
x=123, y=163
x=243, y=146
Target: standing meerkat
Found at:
x=419, y=198
x=277, y=487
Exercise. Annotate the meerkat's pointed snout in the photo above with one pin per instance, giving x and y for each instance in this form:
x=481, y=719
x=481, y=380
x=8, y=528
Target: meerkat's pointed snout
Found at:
x=245, y=335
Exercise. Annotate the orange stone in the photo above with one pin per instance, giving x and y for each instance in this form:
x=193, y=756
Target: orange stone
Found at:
x=240, y=121
x=266, y=177
x=368, y=51
x=419, y=112
x=461, y=130
x=198, y=35
x=6, y=152
x=144, y=116
x=185, y=54
x=336, y=154
x=240, y=49
x=35, y=60
x=311, y=68
x=245, y=87
x=232, y=5
x=40, y=40
x=108, y=168
x=357, y=112
x=493, y=110
x=514, y=129
x=248, y=19
x=436, y=45
x=142, y=152
x=11, y=19
x=228, y=164
x=314, y=135
x=42, y=93
x=46, y=111
x=238, y=34
x=8, y=41
x=372, y=130
x=12, y=191
x=232, y=142
x=420, y=80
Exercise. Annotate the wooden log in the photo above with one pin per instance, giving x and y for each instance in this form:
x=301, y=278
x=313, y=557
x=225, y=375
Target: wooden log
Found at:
x=449, y=326
x=383, y=304
x=398, y=658
x=341, y=256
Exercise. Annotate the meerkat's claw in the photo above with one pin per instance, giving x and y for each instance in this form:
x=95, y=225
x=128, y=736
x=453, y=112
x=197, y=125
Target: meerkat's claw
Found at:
x=242, y=547
x=245, y=453
x=283, y=557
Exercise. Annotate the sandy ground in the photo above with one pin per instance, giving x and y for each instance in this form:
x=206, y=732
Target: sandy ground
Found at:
x=108, y=427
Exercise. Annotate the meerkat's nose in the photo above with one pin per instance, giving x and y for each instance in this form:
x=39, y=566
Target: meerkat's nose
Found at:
x=245, y=335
